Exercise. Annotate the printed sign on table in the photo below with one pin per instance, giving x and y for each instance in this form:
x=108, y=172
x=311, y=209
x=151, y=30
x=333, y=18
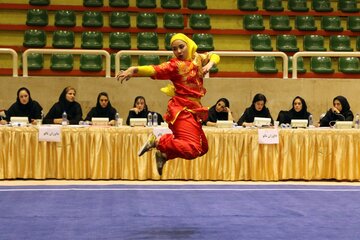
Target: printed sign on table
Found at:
x=268, y=136
x=49, y=133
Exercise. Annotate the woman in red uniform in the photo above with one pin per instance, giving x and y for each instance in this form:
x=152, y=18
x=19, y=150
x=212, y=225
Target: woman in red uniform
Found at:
x=185, y=112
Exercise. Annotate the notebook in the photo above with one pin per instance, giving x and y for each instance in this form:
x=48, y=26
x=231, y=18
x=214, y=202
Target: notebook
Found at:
x=138, y=122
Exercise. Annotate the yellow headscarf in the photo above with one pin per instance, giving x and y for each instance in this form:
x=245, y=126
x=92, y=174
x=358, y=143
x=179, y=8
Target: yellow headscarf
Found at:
x=191, y=45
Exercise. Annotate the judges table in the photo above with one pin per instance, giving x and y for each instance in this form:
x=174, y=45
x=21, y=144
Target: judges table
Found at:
x=234, y=154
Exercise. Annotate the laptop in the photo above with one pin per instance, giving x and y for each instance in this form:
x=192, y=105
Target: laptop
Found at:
x=224, y=124
x=100, y=121
x=261, y=122
x=299, y=123
x=138, y=122
x=19, y=121
x=343, y=124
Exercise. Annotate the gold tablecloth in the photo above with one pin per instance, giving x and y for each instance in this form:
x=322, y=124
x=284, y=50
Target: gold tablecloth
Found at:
x=234, y=154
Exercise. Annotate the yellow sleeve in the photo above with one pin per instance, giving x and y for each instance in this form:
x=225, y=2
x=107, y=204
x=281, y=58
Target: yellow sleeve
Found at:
x=215, y=58
x=145, y=71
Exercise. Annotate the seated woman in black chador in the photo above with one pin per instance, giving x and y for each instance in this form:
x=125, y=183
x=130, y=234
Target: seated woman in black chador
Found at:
x=339, y=112
x=66, y=104
x=24, y=107
x=103, y=109
x=257, y=109
x=219, y=111
x=298, y=111
x=140, y=110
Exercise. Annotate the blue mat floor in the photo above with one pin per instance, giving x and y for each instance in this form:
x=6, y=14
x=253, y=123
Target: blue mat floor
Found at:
x=180, y=212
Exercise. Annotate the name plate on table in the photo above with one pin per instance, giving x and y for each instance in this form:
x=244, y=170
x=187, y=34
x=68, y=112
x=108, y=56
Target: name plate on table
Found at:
x=50, y=133
x=268, y=136
x=159, y=131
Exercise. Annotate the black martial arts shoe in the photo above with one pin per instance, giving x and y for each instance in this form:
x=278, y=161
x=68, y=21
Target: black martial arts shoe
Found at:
x=149, y=144
x=160, y=161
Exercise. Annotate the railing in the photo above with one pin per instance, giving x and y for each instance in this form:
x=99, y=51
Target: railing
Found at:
x=14, y=59
x=220, y=53
x=68, y=51
x=319, y=54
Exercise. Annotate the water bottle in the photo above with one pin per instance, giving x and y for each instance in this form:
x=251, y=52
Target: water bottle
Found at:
x=149, y=119
x=155, y=119
x=117, y=116
x=64, y=121
x=311, y=122
x=357, y=121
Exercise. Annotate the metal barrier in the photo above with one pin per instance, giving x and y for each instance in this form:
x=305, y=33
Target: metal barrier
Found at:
x=67, y=51
x=14, y=59
x=319, y=54
x=220, y=53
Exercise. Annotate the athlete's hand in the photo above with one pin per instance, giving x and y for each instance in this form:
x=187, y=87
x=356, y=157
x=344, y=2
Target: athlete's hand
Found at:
x=125, y=75
x=207, y=67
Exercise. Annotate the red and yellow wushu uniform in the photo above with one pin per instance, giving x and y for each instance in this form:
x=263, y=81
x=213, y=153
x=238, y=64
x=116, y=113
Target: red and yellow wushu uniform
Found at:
x=185, y=111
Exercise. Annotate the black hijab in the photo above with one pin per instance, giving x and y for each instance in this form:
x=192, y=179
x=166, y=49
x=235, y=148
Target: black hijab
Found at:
x=303, y=114
x=103, y=112
x=24, y=108
x=344, y=104
x=214, y=115
x=64, y=103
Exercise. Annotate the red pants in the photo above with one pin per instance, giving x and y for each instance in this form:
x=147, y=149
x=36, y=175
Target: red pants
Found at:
x=188, y=140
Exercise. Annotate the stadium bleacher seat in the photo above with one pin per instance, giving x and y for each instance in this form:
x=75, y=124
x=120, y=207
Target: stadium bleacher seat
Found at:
x=280, y=23
x=286, y=43
x=349, y=65
x=119, y=3
x=35, y=61
x=63, y=39
x=305, y=23
x=321, y=65
x=92, y=19
x=34, y=38
x=265, y=64
x=147, y=41
x=300, y=65
x=61, y=62
x=65, y=18
x=321, y=6
x=146, y=3
x=92, y=40
x=125, y=62
x=93, y=3
x=331, y=23
x=204, y=41
x=91, y=63
x=197, y=4
x=313, y=43
x=200, y=21
x=253, y=22
x=167, y=39
x=358, y=43
x=298, y=5
x=260, y=42
x=247, y=5
x=173, y=20
x=340, y=43
x=120, y=40
x=171, y=4
x=353, y=23
x=148, y=60
x=273, y=5
x=39, y=2
x=146, y=20
x=37, y=17
x=119, y=19
x=348, y=6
